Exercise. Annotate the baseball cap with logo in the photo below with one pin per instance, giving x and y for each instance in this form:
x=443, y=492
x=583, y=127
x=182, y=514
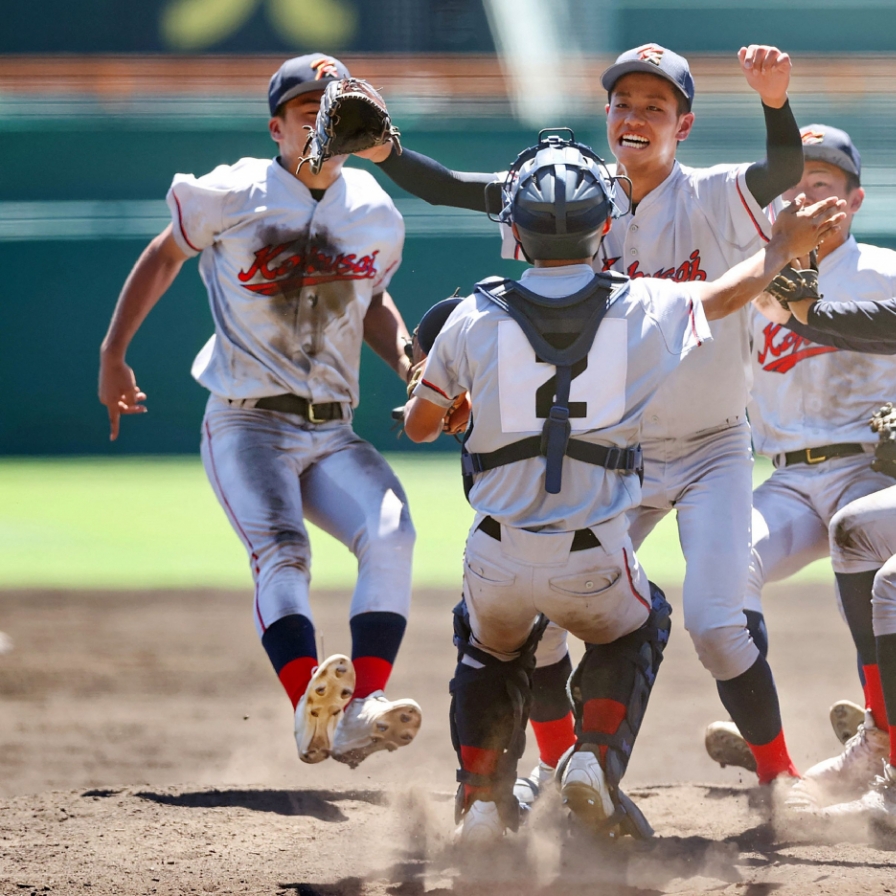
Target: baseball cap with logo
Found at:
x=655, y=60
x=301, y=74
x=827, y=144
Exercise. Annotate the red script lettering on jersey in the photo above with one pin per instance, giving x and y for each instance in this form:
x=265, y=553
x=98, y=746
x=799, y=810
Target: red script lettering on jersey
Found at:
x=787, y=351
x=687, y=270
x=297, y=270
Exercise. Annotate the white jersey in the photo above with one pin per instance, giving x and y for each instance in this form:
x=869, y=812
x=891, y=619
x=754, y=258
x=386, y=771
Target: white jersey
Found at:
x=806, y=395
x=696, y=225
x=289, y=278
x=648, y=330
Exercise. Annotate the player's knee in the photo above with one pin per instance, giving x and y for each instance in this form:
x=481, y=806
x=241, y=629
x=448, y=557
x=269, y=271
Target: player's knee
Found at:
x=725, y=651
x=284, y=549
x=847, y=538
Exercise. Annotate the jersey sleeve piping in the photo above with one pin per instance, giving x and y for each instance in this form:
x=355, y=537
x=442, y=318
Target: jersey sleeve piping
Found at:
x=749, y=211
x=180, y=223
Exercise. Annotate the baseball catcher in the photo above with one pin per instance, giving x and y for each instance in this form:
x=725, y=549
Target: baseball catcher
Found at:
x=352, y=117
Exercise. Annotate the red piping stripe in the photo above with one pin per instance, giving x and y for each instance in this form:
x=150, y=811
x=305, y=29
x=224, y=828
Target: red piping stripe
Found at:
x=236, y=523
x=180, y=223
x=429, y=385
x=756, y=224
x=631, y=583
x=693, y=322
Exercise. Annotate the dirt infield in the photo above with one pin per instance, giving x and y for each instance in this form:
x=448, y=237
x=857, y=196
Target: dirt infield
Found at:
x=145, y=747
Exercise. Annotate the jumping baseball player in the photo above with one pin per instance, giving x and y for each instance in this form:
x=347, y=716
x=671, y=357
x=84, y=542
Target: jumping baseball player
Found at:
x=296, y=266
x=809, y=413
x=684, y=224
x=551, y=459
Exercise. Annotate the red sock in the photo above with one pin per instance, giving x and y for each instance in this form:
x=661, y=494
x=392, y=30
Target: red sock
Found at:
x=772, y=759
x=554, y=738
x=892, y=759
x=874, y=696
x=478, y=762
x=295, y=675
x=604, y=716
x=371, y=674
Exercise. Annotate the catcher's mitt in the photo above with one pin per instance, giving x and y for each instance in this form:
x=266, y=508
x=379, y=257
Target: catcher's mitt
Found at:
x=791, y=285
x=883, y=422
x=352, y=117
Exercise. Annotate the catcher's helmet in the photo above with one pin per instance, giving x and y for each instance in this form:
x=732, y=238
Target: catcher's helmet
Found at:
x=559, y=194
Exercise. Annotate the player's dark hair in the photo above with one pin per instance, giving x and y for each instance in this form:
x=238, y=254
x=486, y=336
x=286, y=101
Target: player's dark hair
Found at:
x=852, y=181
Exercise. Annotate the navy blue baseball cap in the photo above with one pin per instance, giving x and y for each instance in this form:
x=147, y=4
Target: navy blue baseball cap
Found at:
x=655, y=60
x=302, y=74
x=827, y=144
x=433, y=320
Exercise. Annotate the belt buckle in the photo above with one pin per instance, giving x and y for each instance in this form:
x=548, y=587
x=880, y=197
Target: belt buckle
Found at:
x=312, y=418
x=814, y=460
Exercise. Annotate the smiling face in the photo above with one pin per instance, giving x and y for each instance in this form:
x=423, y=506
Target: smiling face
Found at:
x=646, y=120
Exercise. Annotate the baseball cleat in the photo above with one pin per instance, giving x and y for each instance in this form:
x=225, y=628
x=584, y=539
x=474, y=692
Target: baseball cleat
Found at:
x=846, y=717
x=877, y=804
x=321, y=707
x=374, y=723
x=481, y=825
x=849, y=775
x=528, y=790
x=726, y=745
x=584, y=791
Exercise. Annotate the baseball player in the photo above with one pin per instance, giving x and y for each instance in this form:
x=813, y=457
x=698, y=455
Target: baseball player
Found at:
x=296, y=267
x=550, y=534
x=684, y=224
x=809, y=412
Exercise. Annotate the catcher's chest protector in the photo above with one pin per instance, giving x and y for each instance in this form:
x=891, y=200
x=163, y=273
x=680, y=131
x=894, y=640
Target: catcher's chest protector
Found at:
x=561, y=331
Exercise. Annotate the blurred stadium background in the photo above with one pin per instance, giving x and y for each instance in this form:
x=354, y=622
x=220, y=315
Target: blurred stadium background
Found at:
x=101, y=103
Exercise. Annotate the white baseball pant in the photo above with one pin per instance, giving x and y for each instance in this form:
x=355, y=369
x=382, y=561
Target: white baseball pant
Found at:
x=792, y=512
x=863, y=538
x=271, y=471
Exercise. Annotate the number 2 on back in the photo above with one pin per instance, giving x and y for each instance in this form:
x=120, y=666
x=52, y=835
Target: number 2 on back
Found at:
x=597, y=394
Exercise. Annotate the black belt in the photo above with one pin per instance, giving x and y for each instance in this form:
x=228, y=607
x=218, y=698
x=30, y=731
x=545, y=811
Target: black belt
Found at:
x=825, y=452
x=583, y=540
x=295, y=404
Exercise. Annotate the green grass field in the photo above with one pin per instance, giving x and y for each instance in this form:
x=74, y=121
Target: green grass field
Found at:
x=154, y=523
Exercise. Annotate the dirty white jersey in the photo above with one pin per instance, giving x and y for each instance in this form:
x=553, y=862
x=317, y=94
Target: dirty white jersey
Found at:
x=647, y=332
x=289, y=279
x=806, y=395
x=696, y=225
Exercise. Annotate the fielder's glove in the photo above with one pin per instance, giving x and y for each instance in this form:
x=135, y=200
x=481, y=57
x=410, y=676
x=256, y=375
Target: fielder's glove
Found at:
x=791, y=285
x=352, y=117
x=883, y=422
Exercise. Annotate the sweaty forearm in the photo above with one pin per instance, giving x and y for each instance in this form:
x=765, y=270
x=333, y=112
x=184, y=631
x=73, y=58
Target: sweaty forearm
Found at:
x=148, y=281
x=782, y=167
x=742, y=283
x=427, y=179
x=385, y=332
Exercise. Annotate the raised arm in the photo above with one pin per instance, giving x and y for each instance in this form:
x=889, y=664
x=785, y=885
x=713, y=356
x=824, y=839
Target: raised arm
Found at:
x=427, y=179
x=767, y=71
x=150, y=277
x=797, y=231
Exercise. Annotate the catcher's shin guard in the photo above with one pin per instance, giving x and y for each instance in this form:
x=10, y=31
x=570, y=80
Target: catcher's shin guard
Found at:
x=621, y=675
x=490, y=701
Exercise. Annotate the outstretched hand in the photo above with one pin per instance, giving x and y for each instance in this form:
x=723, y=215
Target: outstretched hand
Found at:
x=767, y=71
x=119, y=392
x=801, y=227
